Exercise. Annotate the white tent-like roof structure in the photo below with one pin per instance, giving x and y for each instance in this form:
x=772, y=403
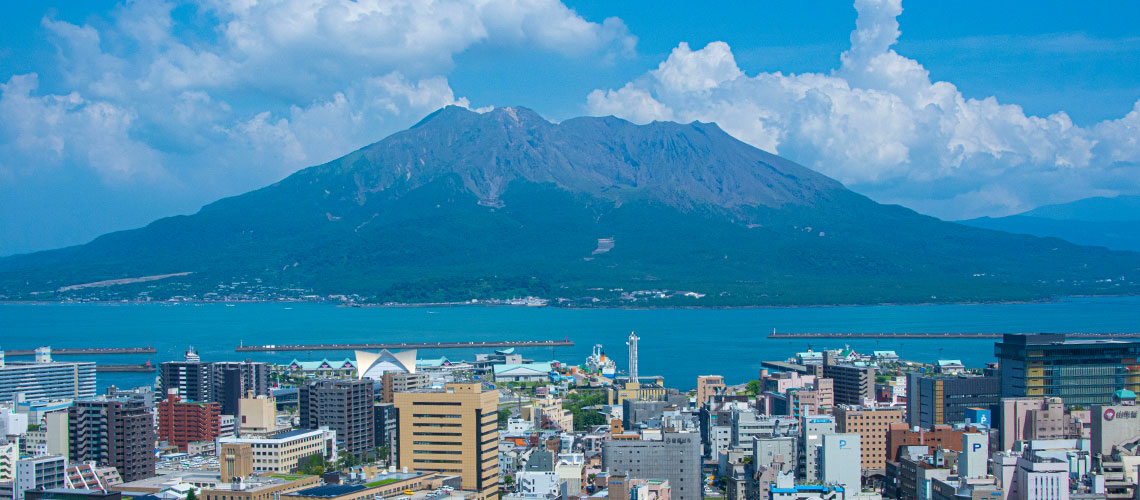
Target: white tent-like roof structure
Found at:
x=374, y=365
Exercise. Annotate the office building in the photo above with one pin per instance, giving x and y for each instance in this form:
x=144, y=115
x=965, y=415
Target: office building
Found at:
x=747, y=424
x=183, y=422
x=1114, y=425
x=707, y=387
x=211, y=487
x=676, y=457
x=45, y=378
x=872, y=425
x=1031, y=419
x=1037, y=478
x=1080, y=372
x=453, y=431
x=811, y=442
x=853, y=384
x=938, y=400
x=344, y=406
x=653, y=390
x=235, y=460
x=938, y=437
x=113, y=432
x=283, y=452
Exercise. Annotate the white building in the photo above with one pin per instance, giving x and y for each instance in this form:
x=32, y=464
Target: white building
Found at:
x=842, y=454
x=1040, y=478
x=537, y=484
x=283, y=452
x=45, y=378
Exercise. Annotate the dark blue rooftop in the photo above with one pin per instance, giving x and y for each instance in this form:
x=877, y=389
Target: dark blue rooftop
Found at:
x=328, y=490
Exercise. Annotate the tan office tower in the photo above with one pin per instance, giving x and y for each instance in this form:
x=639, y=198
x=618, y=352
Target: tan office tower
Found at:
x=235, y=461
x=453, y=431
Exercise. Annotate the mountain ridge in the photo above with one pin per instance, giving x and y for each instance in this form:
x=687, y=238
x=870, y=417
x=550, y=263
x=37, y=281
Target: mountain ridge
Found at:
x=467, y=205
x=1099, y=221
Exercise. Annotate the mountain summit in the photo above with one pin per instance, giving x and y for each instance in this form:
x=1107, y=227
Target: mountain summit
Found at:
x=467, y=205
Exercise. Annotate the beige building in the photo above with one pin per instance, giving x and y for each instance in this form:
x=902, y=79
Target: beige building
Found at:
x=211, y=486
x=283, y=452
x=51, y=436
x=235, y=460
x=453, y=431
x=707, y=387
x=257, y=415
x=393, y=382
x=549, y=408
x=637, y=391
x=872, y=426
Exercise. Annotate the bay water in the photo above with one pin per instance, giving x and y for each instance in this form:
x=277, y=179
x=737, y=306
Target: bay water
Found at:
x=679, y=344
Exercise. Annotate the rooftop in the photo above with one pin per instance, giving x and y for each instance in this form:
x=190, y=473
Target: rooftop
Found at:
x=328, y=491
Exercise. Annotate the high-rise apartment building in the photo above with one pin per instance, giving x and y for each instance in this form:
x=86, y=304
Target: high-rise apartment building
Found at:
x=453, y=431
x=45, y=378
x=183, y=422
x=113, y=432
x=853, y=384
x=1082, y=372
x=193, y=378
x=387, y=429
x=344, y=406
x=224, y=382
x=392, y=382
x=233, y=380
x=872, y=425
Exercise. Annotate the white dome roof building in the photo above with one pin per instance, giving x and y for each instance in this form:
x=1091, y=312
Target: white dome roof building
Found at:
x=373, y=365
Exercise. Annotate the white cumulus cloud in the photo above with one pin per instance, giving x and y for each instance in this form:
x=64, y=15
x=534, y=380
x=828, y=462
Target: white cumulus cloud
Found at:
x=880, y=125
x=208, y=98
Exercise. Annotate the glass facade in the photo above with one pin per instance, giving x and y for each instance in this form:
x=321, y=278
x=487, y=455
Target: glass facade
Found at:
x=1081, y=372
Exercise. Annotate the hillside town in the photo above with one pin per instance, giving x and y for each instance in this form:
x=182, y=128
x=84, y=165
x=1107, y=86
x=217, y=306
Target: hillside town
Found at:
x=1051, y=418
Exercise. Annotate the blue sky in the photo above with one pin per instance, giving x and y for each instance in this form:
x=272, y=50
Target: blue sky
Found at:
x=112, y=115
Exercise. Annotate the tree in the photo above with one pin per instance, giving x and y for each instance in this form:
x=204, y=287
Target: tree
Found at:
x=754, y=388
x=191, y=495
x=313, y=465
x=347, y=459
x=504, y=415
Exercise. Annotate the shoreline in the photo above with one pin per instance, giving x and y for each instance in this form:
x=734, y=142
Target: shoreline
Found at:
x=428, y=305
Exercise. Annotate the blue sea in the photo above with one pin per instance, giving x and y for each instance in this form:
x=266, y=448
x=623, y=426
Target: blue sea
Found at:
x=678, y=344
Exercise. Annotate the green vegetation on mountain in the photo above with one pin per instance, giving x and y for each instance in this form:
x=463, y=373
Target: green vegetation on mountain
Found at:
x=505, y=204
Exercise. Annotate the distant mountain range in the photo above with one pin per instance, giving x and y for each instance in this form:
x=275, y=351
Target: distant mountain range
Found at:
x=590, y=211
x=1108, y=222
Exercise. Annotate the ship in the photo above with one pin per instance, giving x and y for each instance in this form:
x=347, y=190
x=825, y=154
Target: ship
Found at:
x=599, y=363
